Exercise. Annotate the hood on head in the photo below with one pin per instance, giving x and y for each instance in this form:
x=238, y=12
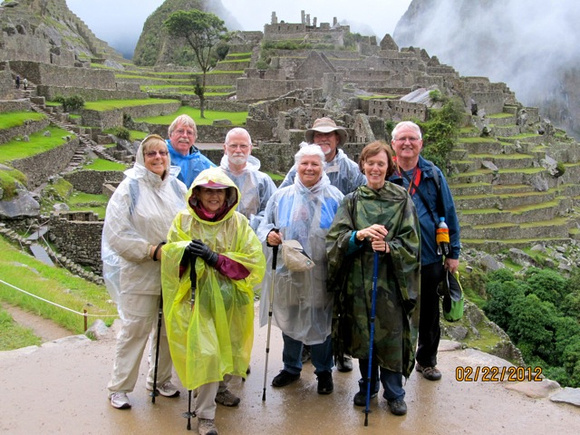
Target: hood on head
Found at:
x=215, y=178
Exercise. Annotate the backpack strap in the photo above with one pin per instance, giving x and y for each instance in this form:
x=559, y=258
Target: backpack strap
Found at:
x=133, y=194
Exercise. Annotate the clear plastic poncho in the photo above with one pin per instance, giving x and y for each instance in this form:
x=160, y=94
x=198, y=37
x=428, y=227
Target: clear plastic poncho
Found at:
x=255, y=187
x=302, y=308
x=138, y=215
x=212, y=336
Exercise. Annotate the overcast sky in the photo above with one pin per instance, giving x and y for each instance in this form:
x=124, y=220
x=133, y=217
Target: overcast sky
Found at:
x=120, y=22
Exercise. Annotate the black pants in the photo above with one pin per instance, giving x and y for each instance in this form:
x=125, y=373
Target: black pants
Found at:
x=429, y=328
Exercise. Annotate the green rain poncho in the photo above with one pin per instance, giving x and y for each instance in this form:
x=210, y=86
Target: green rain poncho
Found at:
x=214, y=336
x=350, y=271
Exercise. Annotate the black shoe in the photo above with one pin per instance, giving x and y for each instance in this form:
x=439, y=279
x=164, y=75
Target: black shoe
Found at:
x=284, y=378
x=325, y=384
x=344, y=364
x=305, y=353
x=360, y=398
x=397, y=407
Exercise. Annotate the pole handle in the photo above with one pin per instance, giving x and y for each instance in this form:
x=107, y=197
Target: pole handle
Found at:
x=275, y=252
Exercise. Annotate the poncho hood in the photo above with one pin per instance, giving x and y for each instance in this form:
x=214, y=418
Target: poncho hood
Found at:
x=215, y=175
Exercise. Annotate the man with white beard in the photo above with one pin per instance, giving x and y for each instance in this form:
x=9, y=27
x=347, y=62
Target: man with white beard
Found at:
x=343, y=173
x=256, y=187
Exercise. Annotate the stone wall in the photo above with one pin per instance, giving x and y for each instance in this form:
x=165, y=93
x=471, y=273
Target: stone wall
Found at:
x=30, y=127
x=14, y=105
x=397, y=110
x=90, y=181
x=260, y=89
x=46, y=74
x=114, y=118
x=89, y=94
x=40, y=167
x=78, y=235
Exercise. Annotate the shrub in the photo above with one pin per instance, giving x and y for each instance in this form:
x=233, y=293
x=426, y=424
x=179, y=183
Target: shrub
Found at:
x=72, y=103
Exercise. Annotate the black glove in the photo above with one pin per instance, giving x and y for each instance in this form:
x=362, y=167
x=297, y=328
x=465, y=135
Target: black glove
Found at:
x=186, y=258
x=200, y=249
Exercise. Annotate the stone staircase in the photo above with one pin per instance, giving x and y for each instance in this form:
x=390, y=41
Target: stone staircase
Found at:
x=503, y=191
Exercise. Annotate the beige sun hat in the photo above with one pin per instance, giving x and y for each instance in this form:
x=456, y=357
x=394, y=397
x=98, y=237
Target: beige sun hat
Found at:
x=325, y=125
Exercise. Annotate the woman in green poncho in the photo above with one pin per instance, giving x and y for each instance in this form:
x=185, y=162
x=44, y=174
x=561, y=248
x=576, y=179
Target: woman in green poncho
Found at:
x=377, y=217
x=210, y=313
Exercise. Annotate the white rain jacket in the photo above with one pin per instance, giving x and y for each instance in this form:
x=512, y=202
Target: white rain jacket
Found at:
x=138, y=215
x=342, y=172
x=255, y=187
x=302, y=308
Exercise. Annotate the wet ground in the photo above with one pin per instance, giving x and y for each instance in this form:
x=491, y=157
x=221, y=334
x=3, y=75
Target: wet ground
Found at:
x=60, y=387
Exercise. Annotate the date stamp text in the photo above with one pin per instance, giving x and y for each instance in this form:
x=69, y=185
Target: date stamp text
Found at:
x=498, y=374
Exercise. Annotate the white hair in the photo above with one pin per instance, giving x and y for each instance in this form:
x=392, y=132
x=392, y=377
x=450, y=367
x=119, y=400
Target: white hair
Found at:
x=309, y=150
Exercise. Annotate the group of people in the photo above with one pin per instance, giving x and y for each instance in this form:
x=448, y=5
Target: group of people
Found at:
x=190, y=239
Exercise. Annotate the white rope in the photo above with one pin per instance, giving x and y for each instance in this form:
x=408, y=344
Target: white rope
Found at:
x=55, y=304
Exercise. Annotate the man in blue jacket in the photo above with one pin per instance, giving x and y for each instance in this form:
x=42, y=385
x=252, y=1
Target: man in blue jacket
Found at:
x=430, y=192
x=182, y=136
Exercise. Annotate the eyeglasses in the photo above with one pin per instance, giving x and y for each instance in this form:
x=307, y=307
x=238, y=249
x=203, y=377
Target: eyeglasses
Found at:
x=154, y=153
x=233, y=146
x=410, y=139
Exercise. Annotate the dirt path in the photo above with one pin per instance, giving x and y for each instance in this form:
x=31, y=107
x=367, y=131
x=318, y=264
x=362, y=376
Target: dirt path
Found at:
x=60, y=387
x=46, y=329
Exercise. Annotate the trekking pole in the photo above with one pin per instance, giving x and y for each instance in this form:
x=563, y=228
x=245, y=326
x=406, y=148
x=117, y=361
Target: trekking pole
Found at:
x=159, y=319
x=372, y=333
x=274, y=256
x=193, y=279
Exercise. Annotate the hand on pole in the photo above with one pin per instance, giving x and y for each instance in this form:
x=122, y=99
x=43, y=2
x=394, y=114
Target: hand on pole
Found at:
x=200, y=249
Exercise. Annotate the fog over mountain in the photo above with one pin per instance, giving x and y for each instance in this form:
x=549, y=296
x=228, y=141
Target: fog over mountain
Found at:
x=120, y=22
x=532, y=45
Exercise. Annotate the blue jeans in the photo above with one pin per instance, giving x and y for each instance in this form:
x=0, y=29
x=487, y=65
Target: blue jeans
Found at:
x=392, y=381
x=321, y=355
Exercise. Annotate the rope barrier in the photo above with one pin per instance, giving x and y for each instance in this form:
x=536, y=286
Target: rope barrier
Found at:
x=85, y=314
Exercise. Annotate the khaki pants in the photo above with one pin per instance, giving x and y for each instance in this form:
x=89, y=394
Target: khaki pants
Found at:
x=139, y=316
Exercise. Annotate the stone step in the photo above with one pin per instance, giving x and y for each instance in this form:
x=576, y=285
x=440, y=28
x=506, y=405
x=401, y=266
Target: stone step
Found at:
x=502, y=161
x=503, y=202
x=555, y=228
x=494, y=246
x=539, y=212
x=502, y=119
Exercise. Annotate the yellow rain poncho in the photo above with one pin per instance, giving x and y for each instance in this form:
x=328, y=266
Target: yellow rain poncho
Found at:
x=214, y=335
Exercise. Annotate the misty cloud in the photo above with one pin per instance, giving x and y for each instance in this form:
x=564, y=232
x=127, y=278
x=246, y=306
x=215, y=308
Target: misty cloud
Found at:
x=525, y=43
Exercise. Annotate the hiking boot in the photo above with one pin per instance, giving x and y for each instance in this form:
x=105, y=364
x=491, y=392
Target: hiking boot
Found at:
x=397, y=406
x=344, y=364
x=120, y=400
x=360, y=398
x=206, y=426
x=431, y=373
x=305, y=354
x=227, y=398
x=284, y=378
x=166, y=390
x=325, y=384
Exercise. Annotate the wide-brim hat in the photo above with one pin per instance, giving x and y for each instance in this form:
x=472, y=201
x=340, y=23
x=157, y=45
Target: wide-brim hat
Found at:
x=325, y=125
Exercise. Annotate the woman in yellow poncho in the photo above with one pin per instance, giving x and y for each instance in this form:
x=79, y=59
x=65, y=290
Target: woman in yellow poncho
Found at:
x=211, y=328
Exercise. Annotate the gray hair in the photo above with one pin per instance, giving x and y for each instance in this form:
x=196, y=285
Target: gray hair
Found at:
x=309, y=150
x=408, y=124
x=238, y=130
x=185, y=120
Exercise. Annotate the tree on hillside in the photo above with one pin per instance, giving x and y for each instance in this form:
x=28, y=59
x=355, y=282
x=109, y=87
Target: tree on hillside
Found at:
x=202, y=31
